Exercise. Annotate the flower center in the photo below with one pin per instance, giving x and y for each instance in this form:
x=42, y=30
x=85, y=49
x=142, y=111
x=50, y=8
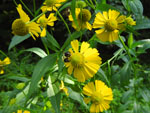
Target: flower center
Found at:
x=111, y=25
x=43, y=22
x=97, y=97
x=77, y=59
x=84, y=15
x=50, y=2
x=19, y=27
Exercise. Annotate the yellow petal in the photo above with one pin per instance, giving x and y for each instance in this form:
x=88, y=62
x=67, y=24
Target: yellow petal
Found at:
x=93, y=108
x=113, y=14
x=87, y=100
x=6, y=61
x=79, y=75
x=26, y=111
x=99, y=31
x=70, y=69
x=75, y=45
x=1, y=71
x=88, y=26
x=84, y=47
x=43, y=33
x=19, y=111
x=22, y=14
x=89, y=89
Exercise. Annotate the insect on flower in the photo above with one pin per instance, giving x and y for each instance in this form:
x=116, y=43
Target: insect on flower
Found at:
x=66, y=56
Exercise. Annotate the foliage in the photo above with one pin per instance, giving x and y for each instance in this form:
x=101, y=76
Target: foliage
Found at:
x=33, y=80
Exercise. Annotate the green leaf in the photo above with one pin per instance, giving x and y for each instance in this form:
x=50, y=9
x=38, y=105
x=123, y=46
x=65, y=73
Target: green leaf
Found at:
x=66, y=5
x=52, y=40
x=17, y=39
x=136, y=7
x=103, y=75
x=76, y=96
x=127, y=95
x=55, y=100
x=125, y=73
x=73, y=36
x=126, y=5
x=40, y=69
x=37, y=51
x=130, y=40
x=73, y=7
x=143, y=23
x=104, y=7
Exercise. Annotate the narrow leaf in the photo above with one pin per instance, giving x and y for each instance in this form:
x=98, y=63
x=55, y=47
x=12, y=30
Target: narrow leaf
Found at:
x=37, y=51
x=17, y=39
x=40, y=69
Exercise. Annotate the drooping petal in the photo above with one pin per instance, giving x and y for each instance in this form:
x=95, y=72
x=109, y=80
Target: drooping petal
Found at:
x=79, y=75
x=43, y=33
x=22, y=14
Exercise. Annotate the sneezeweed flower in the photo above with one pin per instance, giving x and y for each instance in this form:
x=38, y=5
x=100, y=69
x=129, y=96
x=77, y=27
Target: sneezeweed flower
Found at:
x=99, y=94
x=130, y=21
x=84, y=62
x=82, y=16
x=23, y=25
x=20, y=111
x=50, y=5
x=43, y=22
x=63, y=88
x=3, y=63
x=109, y=23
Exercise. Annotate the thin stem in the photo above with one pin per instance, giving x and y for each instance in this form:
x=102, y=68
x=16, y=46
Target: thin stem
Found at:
x=27, y=8
x=64, y=22
x=3, y=53
x=92, y=3
x=93, y=7
x=34, y=6
x=15, y=2
x=112, y=57
x=38, y=16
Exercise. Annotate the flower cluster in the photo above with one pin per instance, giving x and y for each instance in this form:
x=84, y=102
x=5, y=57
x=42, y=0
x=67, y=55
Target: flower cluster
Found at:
x=3, y=63
x=23, y=25
x=81, y=60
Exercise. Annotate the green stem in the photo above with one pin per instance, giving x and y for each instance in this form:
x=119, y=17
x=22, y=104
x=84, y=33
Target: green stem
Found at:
x=27, y=8
x=15, y=2
x=64, y=22
x=92, y=6
x=112, y=57
x=38, y=16
x=3, y=53
x=125, y=47
x=130, y=57
x=34, y=6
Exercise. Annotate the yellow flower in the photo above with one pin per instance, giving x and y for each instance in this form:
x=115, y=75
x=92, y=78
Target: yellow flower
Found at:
x=23, y=25
x=43, y=22
x=3, y=63
x=109, y=23
x=82, y=16
x=99, y=94
x=83, y=63
x=20, y=111
x=50, y=5
x=63, y=88
x=130, y=21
